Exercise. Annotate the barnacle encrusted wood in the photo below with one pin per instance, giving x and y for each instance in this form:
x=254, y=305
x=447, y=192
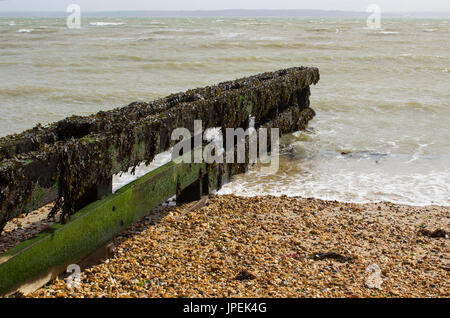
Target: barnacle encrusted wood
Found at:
x=68, y=158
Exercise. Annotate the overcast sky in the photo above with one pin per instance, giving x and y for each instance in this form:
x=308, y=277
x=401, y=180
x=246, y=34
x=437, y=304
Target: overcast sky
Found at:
x=120, y=5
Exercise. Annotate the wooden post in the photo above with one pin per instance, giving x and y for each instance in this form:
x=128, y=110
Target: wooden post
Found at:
x=195, y=191
x=96, y=192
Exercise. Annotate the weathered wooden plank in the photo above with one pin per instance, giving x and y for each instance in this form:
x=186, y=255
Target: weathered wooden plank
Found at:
x=92, y=226
x=111, y=142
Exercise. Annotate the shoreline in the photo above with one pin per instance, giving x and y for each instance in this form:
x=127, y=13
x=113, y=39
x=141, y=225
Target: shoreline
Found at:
x=26, y=226
x=275, y=247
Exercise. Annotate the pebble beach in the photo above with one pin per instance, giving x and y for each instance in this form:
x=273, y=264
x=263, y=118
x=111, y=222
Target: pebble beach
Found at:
x=232, y=246
x=379, y=140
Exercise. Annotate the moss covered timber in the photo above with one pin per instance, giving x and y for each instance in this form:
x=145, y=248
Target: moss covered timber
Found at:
x=68, y=158
x=51, y=251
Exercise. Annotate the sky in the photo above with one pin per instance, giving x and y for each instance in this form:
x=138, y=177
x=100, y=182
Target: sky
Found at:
x=122, y=5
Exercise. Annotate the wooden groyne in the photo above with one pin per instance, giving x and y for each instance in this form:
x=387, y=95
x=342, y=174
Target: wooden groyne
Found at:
x=72, y=162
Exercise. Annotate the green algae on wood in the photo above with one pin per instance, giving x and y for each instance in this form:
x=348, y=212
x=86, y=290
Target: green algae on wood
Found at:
x=81, y=152
x=92, y=226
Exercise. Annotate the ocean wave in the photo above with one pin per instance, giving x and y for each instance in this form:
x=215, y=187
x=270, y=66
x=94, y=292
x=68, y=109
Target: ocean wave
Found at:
x=231, y=35
x=122, y=179
x=61, y=97
x=322, y=30
x=389, y=32
x=28, y=90
x=106, y=23
x=245, y=59
x=416, y=189
x=134, y=58
x=193, y=66
x=41, y=30
x=250, y=44
x=271, y=38
x=251, y=23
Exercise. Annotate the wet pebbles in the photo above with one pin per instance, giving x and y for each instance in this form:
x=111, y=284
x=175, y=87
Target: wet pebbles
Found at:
x=275, y=247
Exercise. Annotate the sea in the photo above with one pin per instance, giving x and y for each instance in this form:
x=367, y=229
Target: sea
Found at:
x=383, y=102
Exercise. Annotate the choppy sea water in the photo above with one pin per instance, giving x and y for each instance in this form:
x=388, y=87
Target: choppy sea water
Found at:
x=381, y=131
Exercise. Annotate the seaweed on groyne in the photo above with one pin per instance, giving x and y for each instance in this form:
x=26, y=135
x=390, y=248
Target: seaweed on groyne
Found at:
x=69, y=159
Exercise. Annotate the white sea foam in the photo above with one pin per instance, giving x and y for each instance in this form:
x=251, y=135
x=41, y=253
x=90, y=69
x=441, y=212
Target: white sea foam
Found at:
x=389, y=32
x=413, y=189
x=121, y=180
x=25, y=30
x=106, y=23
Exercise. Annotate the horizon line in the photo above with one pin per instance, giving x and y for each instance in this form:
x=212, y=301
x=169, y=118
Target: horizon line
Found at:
x=220, y=10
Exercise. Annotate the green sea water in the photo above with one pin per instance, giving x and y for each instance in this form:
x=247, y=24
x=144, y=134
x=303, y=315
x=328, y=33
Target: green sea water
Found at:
x=383, y=96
